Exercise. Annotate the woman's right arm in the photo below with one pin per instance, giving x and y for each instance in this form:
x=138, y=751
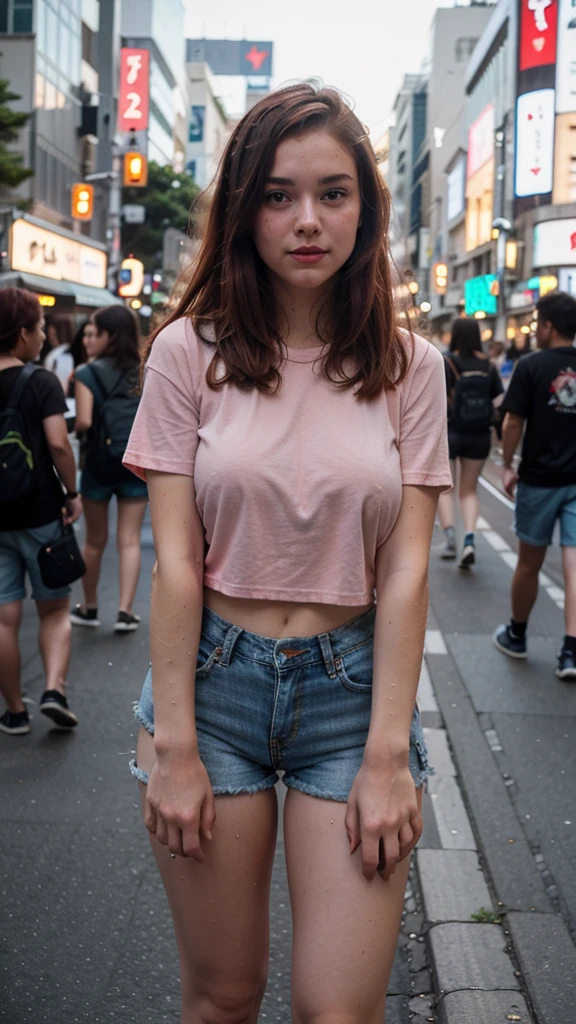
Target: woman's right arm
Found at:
x=179, y=798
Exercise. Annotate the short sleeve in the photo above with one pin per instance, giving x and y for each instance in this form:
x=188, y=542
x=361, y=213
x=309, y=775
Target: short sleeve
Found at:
x=517, y=399
x=423, y=441
x=164, y=435
x=49, y=394
x=84, y=375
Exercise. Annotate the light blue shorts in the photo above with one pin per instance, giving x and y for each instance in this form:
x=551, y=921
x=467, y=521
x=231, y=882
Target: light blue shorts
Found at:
x=536, y=512
x=300, y=705
x=19, y=557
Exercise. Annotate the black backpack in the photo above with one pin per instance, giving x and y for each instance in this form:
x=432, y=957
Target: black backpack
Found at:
x=16, y=452
x=113, y=417
x=470, y=400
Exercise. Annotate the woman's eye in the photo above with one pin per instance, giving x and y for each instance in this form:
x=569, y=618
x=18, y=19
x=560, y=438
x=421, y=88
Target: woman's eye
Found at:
x=334, y=194
x=276, y=198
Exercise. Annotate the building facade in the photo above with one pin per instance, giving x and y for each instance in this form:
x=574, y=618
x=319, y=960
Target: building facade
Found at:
x=208, y=128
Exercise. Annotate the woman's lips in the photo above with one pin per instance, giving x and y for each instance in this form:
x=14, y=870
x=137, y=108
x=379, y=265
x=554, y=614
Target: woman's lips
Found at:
x=314, y=256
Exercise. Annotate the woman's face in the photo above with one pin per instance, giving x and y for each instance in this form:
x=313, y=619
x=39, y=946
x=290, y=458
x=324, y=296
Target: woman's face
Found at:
x=53, y=339
x=32, y=341
x=98, y=343
x=306, y=227
x=88, y=340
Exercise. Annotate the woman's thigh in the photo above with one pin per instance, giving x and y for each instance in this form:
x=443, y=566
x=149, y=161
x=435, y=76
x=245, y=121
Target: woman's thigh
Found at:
x=96, y=519
x=220, y=908
x=131, y=512
x=345, y=927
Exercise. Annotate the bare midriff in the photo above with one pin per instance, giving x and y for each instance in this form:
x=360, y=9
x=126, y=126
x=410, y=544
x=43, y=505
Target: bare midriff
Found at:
x=279, y=619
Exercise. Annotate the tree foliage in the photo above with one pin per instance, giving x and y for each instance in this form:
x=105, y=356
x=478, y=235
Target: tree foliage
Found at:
x=167, y=206
x=12, y=170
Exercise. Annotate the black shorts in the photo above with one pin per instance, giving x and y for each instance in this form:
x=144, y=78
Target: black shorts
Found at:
x=468, y=446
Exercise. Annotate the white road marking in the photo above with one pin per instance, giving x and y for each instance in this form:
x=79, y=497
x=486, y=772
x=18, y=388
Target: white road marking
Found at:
x=450, y=813
x=434, y=643
x=425, y=696
x=556, y=593
x=495, y=492
x=544, y=580
x=510, y=557
x=481, y=524
x=496, y=541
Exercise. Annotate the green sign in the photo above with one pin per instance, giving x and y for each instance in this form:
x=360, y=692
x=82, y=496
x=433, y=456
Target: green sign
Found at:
x=480, y=295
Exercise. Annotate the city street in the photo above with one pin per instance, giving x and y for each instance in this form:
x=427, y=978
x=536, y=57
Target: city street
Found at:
x=86, y=934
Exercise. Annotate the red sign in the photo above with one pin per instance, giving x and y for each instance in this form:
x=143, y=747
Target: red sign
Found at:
x=538, y=31
x=134, y=99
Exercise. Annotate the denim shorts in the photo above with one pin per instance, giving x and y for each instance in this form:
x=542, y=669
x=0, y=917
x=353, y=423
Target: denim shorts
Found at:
x=536, y=512
x=127, y=487
x=300, y=705
x=19, y=557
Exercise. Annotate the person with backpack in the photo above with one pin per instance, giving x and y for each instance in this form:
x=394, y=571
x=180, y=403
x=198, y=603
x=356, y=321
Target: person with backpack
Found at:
x=540, y=405
x=107, y=398
x=37, y=494
x=474, y=391
x=57, y=354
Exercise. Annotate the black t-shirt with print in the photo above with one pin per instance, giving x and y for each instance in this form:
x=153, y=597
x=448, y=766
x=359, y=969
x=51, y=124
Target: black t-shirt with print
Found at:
x=42, y=397
x=543, y=390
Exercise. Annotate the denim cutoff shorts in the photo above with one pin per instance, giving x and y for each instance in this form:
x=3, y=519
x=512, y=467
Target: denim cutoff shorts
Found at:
x=536, y=512
x=299, y=705
x=19, y=558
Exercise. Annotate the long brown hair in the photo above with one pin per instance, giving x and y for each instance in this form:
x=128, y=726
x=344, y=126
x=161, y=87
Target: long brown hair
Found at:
x=124, y=348
x=229, y=298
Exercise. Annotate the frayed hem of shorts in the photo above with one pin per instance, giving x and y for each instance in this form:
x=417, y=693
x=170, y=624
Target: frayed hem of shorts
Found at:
x=258, y=787
x=140, y=717
x=138, y=773
x=308, y=790
x=423, y=777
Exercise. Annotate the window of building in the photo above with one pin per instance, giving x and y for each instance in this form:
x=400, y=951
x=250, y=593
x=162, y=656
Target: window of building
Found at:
x=464, y=48
x=3, y=15
x=88, y=45
x=22, y=20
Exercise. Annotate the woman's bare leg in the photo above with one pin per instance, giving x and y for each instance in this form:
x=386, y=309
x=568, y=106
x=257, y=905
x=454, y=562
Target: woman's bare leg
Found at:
x=470, y=470
x=130, y=518
x=345, y=928
x=10, y=686
x=55, y=641
x=220, y=908
x=96, y=519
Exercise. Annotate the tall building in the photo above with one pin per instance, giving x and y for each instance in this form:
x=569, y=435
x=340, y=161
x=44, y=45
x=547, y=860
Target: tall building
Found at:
x=208, y=125
x=407, y=161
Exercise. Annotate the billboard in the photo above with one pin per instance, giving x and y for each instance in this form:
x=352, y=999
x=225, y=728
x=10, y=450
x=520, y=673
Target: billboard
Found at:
x=555, y=243
x=196, y=128
x=481, y=295
x=534, y=143
x=566, y=59
x=134, y=97
x=232, y=56
x=35, y=250
x=455, y=189
x=538, y=30
x=564, y=190
x=480, y=141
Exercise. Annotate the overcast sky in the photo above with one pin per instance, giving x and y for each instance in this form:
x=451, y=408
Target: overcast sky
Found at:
x=364, y=47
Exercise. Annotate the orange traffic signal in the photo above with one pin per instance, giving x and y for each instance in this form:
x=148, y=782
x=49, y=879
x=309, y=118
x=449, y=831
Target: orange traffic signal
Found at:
x=82, y=207
x=440, y=271
x=135, y=170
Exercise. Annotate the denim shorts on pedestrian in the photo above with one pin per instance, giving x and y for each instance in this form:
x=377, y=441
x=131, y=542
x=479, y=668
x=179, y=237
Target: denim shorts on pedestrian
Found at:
x=127, y=488
x=300, y=705
x=19, y=557
x=538, y=508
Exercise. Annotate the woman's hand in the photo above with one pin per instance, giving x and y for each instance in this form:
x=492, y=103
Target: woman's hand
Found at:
x=179, y=808
x=383, y=816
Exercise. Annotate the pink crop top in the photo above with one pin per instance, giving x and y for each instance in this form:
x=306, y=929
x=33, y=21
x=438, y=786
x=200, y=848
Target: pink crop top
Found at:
x=298, y=490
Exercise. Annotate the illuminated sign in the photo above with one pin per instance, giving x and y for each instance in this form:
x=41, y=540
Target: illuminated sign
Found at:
x=566, y=58
x=134, y=98
x=455, y=187
x=480, y=141
x=481, y=295
x=555, y=243
x=232, y=56
x=131, y=278
x=538, y=27
x=479, y=206
x=196, y=126
x=567, y=280
x=35, y=250
x=534, y=143
x=46, y=300
x=565, y=159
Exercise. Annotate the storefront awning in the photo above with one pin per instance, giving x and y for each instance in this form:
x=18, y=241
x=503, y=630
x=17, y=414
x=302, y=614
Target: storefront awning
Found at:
x=95, y=297
x=70, y=294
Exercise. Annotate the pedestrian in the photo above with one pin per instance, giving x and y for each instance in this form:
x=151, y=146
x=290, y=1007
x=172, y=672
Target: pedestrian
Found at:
x=58, y=358
x=32, y=519
x=283, y=411
x=79, y=350
x=474, y=392
x=541, y=403
x=106, y=404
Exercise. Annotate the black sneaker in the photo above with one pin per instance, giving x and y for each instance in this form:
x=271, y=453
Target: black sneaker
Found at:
x=15, y=723
x=513, y=646
x=54, y=705
x=449, y=550
x=566, y=665
x=126, y=622
x=468, y=556
x=84, y=618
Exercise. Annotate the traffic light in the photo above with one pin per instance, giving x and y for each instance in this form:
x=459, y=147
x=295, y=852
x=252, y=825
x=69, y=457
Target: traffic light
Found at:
x=82, y=201
x=135, y=169
x=440, y=271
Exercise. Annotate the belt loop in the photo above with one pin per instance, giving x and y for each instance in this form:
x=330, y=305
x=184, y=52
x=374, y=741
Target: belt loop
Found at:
x=228, y=645
x=327, y=654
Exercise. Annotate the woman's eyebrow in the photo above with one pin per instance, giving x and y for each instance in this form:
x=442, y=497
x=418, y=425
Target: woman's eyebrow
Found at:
x=330, y=179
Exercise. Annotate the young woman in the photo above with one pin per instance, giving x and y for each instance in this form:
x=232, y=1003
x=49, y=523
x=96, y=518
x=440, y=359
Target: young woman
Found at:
x=109, y=381
x=294, y=445
x=469, y=415
x=33, y=519
x=56, y=353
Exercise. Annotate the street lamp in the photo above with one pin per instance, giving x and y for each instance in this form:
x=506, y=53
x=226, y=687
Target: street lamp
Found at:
x=425, y=307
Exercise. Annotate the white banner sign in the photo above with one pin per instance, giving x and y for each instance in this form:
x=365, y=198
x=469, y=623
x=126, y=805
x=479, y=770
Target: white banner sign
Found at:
x=35, y=250
x=567, y=280
x=555, y=243
x=566, y=58
x=534, y=143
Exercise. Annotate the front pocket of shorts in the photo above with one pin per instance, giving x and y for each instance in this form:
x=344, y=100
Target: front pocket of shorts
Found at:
x=355, y=669
x=209, y=655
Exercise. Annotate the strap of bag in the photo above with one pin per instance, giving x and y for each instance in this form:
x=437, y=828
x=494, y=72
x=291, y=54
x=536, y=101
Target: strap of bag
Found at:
x=18, y=389
x=452, y=366
x=103, y=394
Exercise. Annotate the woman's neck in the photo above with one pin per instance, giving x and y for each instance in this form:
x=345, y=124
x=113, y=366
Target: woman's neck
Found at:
x=298, y=313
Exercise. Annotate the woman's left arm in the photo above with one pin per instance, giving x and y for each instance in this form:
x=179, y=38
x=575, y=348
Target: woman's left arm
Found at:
x=383, y=813
x=84, y=407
